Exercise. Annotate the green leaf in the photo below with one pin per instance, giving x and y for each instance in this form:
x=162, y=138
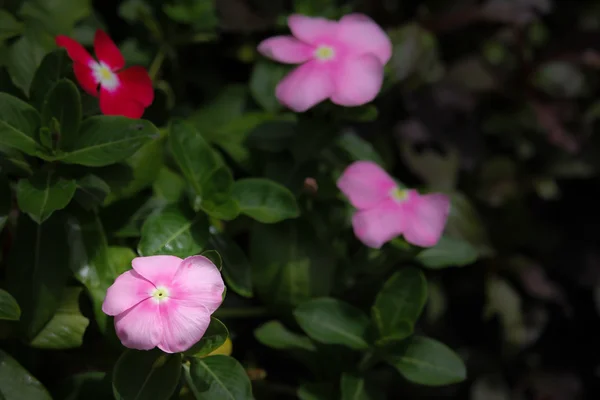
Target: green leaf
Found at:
x=56, y=16
x=236, y=267
x=169, y=185
x=317, y=391
x=16, y=383
x=427, y=362
x=9, y=308
x=331, y=321
x=218, y=377
x=38, y=271
x=5, y=199
x=213, y=338
x=214, y=257
x=104, y=140
x=448, y=252
x=91, y=191
x=174, y=230
x=265, y=77
x=264, y=200
x=227, y=106
x=354, y=388
x=65, y=330
x=358, y=148
x=19, y=123
x=86, y=385
x=9, y=26
x=399, y=304
x=273, y=334
x=53, y=68
x=134, y=10
x=63, y=103
x=44, y=193
x=200, y=13
x=465, y=223
x=26, y=54
x=146, y=375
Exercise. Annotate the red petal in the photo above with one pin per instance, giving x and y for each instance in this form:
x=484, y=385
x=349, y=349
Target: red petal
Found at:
x=75, y=50
x=107, y=52
x=86, y=78
x=118, y=103
x=137, y=85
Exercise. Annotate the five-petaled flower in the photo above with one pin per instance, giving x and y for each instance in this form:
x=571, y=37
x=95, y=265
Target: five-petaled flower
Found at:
x=122, y=91
x=342, y=61
x=385, y=211
x=164, y=302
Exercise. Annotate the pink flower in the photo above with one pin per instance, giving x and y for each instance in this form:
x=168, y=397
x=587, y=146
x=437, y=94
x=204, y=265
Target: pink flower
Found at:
x=342, y=61
x=122, y=92
x=164, y=301
x=386, y=211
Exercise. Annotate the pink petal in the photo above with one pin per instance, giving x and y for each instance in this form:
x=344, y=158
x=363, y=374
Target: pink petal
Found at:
x=128, y=290
x=183, y=325
x=118, y=103
x=86, y=79
x=140, y=327
x=159, y=270
x=363, y=36
x=357, y=81
x=426, y=218
x=76, y=51
x=365, y=184
x=310, y=30
x=378, y=225
x=107, y=51
x=306, y=86
x=198, y=282
x=137, y=85
x=286, y=49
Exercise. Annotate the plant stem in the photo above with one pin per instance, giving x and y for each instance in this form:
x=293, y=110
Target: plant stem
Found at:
x=156, y=63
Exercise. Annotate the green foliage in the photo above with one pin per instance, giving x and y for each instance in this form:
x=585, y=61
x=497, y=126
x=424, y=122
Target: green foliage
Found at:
x=218, y=377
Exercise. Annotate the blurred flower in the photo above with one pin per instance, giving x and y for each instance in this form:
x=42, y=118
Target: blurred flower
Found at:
x=124, y=92
x=342, y=61
x=164, y=301
x=386, y=211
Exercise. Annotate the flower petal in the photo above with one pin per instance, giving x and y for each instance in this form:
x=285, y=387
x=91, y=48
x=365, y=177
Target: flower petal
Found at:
x=76, y=51
x=363, y=36
x=107, y=51
x=128, y=290
x=116, y=102
x=140, y=327
x=305, y=86
x=137, y=85
x=198, y=282
x=426, y=218
x=286, y=49
x=157, y=269
x=378, y=225
x=365, y=184
x=358, y=80
x=312, y=29
x=86, y=79
x=183, y=325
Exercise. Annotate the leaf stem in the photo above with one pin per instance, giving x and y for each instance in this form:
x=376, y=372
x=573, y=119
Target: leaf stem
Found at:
x=156, y=63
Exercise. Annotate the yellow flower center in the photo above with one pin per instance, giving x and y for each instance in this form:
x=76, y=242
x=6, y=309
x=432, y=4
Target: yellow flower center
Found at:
x=324, y=53
x=160, y=294
x=398, y=194
x=105, y=73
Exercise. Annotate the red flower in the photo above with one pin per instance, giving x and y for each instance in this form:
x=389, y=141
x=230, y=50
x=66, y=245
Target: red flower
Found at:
x=122, y=92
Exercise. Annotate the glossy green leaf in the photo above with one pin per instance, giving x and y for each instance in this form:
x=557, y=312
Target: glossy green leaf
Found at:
x=218, y=377
x=332, y=321
x=9, y=308
x=38, y=271
x=274, y=334
x=354, y=388
x=9, y=26
x=151, y=375
x=358, y=148
x=26, y=54
x=427, y=362
x=55, y=16
x=214, y=257
x=216, y=334
x=265, y=200
x=16, y=383
x=66, y=328
x=44, y=193
x=91, y=191
x=19, y=123
x=54, y=67
x=63, y=103
x=174, y=230
x=448, y=252
x=399, y=304
x=104, y=140
x=169, y=185
x=237, y=270
x=265, y=77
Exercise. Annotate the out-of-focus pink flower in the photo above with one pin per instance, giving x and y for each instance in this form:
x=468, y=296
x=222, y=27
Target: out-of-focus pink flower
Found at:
x=124, y=92
x=164, y=302
x=342, y=61
x=385, y=211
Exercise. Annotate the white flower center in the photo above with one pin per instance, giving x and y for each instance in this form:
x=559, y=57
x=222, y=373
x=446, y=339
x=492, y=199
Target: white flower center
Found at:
x=398, y=194
x=159, y=294
x=324, y=53
x=104, y=76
